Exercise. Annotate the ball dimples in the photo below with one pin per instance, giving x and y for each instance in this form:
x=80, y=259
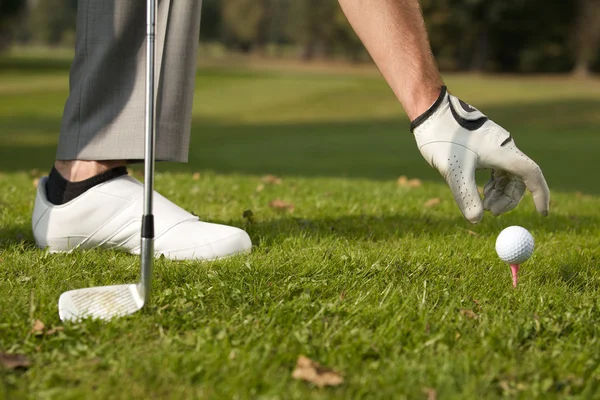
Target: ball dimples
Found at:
x=514, y=245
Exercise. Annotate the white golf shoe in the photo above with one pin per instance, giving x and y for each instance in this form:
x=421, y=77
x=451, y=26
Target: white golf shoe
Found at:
x=109, y=216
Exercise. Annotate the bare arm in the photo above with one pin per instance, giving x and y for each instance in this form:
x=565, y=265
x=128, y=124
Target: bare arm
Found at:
x=457, y=138
x=394, y=33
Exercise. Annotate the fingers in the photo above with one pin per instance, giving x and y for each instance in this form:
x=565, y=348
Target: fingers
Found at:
x=502, y=193
x=536, y=182
x=515, y=162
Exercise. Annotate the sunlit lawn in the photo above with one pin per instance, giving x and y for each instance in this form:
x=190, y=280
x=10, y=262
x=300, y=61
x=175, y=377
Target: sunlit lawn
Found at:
x=401, y=299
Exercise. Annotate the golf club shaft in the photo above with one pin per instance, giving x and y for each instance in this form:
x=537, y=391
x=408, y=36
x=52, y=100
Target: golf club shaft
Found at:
x=147, y=245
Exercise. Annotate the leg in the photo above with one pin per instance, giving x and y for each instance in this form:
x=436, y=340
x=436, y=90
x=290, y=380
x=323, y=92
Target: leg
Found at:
x=103, y=128
x=104, y=114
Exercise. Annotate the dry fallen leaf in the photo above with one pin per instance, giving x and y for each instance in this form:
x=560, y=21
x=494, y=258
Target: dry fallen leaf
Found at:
x=472, y=233
x=313, y=372
x=430, y=393
x=260, y=188
x=281, y=205
x=52, y=331
x=411, y=183
x=432, y=202
x=468, y=313
x=38, y=327
x=36, y=181
x=504, y=385
x=271, y=179
x=13, y=361
x=196, y=176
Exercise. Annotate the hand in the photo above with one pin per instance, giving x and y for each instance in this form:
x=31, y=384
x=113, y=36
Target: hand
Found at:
x=457, y=139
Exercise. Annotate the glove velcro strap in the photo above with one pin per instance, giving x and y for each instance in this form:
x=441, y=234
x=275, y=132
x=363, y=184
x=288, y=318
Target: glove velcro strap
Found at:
x=423, y=117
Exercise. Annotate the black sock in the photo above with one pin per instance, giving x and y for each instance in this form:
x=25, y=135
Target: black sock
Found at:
x=60, y=191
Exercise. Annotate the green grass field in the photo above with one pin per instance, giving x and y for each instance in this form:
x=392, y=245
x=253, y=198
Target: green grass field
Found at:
x=404, y=300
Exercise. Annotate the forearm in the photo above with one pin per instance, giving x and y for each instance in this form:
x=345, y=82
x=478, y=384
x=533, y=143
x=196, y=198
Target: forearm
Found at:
x=394, y=33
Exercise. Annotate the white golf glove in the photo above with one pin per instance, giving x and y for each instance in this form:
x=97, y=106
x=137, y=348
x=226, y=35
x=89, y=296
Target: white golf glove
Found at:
x=457, y=139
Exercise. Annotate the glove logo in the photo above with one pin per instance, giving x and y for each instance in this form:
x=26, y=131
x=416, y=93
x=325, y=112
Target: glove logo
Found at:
x=466, y=116
x=466, y=107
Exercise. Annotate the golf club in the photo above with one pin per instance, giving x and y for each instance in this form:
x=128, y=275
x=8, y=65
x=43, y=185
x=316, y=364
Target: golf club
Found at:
x=107, y=302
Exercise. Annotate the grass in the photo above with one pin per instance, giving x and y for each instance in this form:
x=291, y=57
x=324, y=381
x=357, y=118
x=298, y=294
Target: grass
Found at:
x=360, y=276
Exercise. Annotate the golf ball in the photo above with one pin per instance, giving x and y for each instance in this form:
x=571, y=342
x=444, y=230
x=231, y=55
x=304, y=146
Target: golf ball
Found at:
x=514, y=245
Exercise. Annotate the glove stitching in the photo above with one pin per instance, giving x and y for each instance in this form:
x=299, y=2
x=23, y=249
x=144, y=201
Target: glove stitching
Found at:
x=447, y=141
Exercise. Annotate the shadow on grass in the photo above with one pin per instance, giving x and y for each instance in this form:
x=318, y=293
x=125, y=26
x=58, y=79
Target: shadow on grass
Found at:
x=17, y=235
x=380, y=228
x=561, y=136
x=369, y=228
x=365, y=229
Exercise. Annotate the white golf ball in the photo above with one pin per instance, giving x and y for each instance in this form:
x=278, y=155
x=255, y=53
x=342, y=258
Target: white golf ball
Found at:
x=514, y=245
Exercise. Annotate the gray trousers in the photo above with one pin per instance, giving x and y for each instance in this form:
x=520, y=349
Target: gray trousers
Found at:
x=104, y=114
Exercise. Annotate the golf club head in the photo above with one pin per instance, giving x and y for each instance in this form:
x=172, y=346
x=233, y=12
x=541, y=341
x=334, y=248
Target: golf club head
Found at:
x=103, y=302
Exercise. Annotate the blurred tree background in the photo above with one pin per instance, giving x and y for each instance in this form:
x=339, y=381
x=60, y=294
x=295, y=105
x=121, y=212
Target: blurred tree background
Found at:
x=508, y=36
